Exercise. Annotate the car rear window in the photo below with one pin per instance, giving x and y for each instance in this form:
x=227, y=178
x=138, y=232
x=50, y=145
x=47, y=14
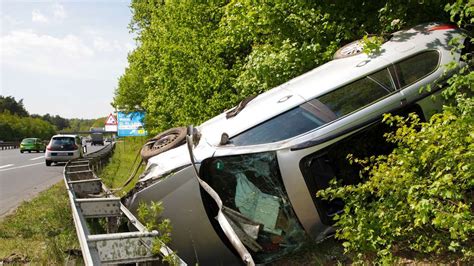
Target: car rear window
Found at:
x=417, y=67
x=320, y=110
x=62, y=141
x=28, y=141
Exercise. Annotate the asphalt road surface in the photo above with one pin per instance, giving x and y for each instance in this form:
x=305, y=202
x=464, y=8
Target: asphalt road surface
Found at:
x=23, y=176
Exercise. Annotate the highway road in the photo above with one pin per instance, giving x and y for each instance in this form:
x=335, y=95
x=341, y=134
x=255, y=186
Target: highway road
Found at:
x=23, y=176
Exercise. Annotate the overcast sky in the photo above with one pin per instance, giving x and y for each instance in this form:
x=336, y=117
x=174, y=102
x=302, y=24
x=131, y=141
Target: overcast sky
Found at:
x=64, y=57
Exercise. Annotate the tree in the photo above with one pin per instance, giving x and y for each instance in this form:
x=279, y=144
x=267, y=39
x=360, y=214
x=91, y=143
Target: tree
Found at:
x=12, y=106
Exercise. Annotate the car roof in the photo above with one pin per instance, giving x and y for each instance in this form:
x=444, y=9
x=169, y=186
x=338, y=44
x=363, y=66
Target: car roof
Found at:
x=326, y=78
x=61, y=135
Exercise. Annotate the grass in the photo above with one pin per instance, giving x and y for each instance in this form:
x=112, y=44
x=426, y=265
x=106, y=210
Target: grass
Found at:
x=40, y=231
x=124, y=160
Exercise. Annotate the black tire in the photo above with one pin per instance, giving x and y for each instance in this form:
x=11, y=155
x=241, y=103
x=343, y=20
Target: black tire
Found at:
x=164, y=141
x=29, y=151
x=21, y=151
x=48, y=163
x=350, y=49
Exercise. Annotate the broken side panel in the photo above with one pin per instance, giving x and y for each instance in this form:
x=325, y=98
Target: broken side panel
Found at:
x=256, y=203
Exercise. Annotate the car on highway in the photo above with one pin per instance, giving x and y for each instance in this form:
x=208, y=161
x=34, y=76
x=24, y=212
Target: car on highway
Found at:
x=241, y=187
x=32, y=144
x=62, y=148
x=97, y=139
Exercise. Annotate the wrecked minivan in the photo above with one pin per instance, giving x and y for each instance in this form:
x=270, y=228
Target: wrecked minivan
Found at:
x=241, y=187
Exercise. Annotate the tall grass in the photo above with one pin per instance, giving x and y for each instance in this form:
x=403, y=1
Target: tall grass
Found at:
x=40, y=231
x=125, y=159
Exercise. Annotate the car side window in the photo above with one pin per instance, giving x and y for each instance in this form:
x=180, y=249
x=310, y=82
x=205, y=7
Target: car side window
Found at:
x=319, y=111
x=417, y=67
x=356, y=95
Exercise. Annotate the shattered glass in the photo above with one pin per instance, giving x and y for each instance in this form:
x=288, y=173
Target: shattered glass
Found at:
x=256, y=203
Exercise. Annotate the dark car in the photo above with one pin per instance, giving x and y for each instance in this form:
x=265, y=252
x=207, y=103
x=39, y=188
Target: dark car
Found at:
x=32, y=144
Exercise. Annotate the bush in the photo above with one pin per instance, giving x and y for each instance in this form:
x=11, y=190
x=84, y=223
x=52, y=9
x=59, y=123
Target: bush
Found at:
x=419, y=199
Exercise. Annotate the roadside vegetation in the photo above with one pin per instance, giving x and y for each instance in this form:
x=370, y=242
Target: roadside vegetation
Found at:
x=40, y=231
x=123, y=163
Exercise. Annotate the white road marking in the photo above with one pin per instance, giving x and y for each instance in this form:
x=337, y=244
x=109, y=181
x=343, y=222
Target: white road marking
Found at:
x=5, y=166
x=23, y=166
x=37, y=158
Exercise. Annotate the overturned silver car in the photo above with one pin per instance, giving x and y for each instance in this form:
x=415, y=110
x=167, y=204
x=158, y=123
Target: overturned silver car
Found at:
x=241, y=187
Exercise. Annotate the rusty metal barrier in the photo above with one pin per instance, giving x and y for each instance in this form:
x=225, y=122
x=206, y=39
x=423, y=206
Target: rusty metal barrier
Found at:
x=91, y=199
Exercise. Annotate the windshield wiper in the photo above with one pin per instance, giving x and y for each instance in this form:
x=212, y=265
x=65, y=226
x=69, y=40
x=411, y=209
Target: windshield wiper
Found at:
x=239, y=107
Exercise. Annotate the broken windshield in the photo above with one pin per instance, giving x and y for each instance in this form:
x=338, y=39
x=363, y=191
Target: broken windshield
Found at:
x=256, y=203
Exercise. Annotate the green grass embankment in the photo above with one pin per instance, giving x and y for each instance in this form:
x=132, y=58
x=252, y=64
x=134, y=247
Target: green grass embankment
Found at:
x=125, y=159
x=40, y=231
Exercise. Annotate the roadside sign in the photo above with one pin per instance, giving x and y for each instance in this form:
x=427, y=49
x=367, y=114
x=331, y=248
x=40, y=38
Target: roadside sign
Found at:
x=111, y=124
x=131, y=124
x=111, y=120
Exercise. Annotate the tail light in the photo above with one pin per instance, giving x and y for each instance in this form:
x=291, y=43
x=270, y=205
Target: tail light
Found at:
x=74, y=146
x=442, y=27
x=48, y=148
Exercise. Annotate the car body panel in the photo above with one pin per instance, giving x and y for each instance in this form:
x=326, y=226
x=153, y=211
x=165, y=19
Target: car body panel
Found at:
x=181, y=198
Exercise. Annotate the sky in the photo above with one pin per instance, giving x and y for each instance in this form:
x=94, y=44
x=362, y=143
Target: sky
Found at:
x=64, y=57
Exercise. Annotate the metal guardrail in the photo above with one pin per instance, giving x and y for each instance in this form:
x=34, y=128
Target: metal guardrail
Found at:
x=90, y=198
x=9, y=145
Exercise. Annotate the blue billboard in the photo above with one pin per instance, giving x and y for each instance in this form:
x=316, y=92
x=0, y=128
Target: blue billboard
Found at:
x=130, y=124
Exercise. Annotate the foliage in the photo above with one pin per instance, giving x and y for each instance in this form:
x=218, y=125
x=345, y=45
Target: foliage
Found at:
x=371, y=45
x=12, y=106
x=14, y=127
x=149, y=215
x=419, y=198
x=76, y=124
x=197, y=59
x=59, y=122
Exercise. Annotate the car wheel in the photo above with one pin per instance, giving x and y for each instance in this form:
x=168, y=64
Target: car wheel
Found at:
x=164, y=141
x=48, y=163
x=21, y=151
x=29, y=151
x=350, y=49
